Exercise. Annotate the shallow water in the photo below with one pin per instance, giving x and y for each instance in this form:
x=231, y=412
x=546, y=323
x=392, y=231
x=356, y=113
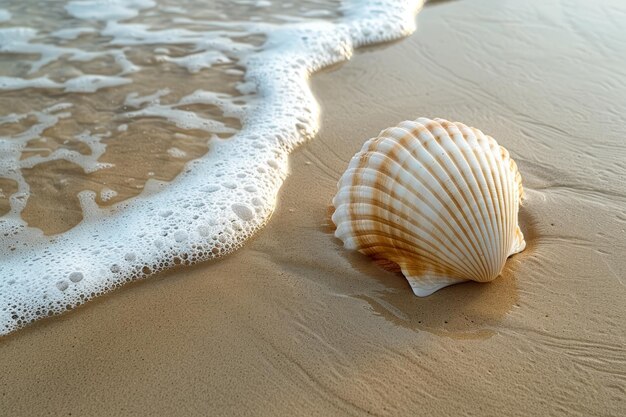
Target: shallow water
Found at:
x=118, y=109
x=137, y=135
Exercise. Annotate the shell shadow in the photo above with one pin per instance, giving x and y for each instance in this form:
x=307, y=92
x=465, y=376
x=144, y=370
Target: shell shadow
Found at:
x=469, y=310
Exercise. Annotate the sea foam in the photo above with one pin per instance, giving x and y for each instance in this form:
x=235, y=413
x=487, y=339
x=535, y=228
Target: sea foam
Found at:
x=219, y=200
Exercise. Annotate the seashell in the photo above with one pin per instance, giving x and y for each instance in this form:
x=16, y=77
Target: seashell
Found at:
x=437, y=198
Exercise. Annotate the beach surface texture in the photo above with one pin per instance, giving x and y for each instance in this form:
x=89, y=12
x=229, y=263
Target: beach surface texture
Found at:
x=293, y=324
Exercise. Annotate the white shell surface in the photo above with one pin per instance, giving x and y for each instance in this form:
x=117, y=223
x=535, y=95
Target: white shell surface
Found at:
x=438, y=198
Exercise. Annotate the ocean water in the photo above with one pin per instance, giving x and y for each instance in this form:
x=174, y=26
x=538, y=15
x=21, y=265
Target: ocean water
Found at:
x=140, y=134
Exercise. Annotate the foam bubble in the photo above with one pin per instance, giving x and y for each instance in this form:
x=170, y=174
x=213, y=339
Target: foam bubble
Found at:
x=174, y=152
x=76, y=277
x=243, y=211
x=106, y=194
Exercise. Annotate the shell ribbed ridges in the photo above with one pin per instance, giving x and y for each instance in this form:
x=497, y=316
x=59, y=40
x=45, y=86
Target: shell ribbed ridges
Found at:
x=440, y=199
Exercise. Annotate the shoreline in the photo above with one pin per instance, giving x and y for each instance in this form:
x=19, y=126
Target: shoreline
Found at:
x=294, y=324
x=218, y=201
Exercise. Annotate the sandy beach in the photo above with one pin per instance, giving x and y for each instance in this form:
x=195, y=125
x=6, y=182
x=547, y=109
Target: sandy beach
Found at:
x=293, y=324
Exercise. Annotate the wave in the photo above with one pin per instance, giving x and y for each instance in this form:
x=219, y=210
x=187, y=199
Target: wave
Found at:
x=220, y=198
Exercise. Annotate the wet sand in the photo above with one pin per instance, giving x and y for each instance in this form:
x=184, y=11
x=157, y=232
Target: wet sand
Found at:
x=293, y=324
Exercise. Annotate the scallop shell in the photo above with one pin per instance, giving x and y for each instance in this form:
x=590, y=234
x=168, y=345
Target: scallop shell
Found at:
x=439, y=199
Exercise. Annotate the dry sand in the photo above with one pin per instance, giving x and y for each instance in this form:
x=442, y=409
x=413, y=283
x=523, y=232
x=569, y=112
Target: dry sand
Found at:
x=293, y=324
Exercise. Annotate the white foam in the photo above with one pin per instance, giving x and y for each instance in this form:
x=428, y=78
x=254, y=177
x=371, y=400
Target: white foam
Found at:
x=174, y=152
x=21, y=40
x=220, y=200
x=106, y=194
x=105, y=10
x=92, y=83
x=5, y=15
x=201, y=60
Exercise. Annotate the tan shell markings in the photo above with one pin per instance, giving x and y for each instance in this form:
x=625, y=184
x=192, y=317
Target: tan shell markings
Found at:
x=440, y=199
